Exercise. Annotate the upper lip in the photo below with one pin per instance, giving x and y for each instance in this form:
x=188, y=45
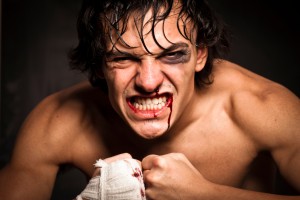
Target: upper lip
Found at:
x=165, y=94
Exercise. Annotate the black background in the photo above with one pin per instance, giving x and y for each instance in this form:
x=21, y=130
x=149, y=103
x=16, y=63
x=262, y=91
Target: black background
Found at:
x=36, y=36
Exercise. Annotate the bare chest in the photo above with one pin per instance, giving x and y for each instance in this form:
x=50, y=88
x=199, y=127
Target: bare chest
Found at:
x=221, y=153
x=223, y=157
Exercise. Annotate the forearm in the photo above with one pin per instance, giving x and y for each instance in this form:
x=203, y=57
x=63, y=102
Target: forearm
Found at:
x=230, y=193
x=17, y=184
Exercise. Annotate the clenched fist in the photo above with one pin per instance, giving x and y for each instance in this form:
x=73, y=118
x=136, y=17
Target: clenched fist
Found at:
x=172, y=176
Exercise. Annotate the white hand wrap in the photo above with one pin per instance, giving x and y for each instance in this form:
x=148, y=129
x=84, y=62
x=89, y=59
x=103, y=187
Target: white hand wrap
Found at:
x=122, y=179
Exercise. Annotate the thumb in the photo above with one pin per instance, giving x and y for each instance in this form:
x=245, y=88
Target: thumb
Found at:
x=147, y=162
x=117, y=157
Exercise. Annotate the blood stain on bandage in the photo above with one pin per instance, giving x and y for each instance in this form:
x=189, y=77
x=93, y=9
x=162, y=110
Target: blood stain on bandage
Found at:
x=142, y=192
x=138, y=174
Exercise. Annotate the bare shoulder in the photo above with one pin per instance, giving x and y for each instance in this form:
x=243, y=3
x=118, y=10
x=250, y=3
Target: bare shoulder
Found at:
x=57, y=122
x=52, y=135
x=267, y=111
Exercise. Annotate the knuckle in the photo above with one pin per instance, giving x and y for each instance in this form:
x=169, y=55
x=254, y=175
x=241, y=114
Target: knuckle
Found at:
x=159, y=161
x=151, y=178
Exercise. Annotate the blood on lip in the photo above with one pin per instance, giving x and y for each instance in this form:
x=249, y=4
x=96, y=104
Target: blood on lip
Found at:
x=131, y=101
x=169, y=104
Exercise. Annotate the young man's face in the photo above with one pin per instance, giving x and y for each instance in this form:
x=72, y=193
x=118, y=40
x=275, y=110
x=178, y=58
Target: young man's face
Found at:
x=151, y=91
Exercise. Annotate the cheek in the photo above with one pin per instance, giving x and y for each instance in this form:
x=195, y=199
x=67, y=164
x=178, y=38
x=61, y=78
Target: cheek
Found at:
x=118, y=80
x=183, y=75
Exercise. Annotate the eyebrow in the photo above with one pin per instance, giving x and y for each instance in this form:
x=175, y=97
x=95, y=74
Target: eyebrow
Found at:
x=174, y=47
x=118, y=53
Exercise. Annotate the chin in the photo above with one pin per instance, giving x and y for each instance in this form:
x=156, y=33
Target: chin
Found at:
x=151, y=132
x=150, y=136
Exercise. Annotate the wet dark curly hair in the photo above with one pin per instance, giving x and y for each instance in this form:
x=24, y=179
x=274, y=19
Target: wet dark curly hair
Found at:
x=99, y=19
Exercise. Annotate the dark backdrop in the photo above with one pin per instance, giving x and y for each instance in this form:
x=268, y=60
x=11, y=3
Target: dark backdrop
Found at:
x=36, y=36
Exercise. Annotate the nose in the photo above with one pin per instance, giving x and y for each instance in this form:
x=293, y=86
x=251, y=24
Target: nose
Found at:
x=149, y=76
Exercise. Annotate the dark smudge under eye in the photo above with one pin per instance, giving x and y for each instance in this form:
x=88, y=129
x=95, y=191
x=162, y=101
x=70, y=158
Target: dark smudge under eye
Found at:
x=182, y=56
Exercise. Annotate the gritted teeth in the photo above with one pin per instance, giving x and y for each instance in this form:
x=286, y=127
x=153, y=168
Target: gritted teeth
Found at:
x=153, y=103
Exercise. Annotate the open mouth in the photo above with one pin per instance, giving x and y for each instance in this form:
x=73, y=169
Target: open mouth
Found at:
x=157, y=102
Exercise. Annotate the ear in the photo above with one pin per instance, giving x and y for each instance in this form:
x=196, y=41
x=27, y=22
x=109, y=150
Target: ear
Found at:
x=201, y=58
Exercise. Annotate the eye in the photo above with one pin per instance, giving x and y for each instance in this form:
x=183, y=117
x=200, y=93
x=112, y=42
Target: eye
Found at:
x=176, y=57
x=176, y=54
x=122, y=59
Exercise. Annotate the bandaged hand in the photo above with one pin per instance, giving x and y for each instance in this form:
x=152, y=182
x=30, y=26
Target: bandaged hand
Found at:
x=120, y=178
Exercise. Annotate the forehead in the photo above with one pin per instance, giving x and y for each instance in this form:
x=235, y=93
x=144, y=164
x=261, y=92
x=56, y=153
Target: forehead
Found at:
x=150, y=32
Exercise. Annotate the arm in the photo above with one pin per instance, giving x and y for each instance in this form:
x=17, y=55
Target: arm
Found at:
x=274, y=126
x=172, y=176
x=20, y=180
x=32, y=170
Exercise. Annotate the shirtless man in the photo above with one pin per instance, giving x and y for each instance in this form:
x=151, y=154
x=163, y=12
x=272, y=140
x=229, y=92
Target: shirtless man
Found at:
x=197, y=131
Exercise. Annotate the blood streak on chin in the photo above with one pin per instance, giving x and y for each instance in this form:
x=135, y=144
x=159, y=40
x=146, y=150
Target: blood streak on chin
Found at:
x=170, y=105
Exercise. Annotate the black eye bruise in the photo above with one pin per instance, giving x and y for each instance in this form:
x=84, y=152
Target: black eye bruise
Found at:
x=182, y=56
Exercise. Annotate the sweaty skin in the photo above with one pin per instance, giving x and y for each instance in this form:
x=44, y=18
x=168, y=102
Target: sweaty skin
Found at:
x=222, y=143
x=212, y=142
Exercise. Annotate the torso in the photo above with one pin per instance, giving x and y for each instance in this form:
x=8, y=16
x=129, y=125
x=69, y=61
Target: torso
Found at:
x=215, y=143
